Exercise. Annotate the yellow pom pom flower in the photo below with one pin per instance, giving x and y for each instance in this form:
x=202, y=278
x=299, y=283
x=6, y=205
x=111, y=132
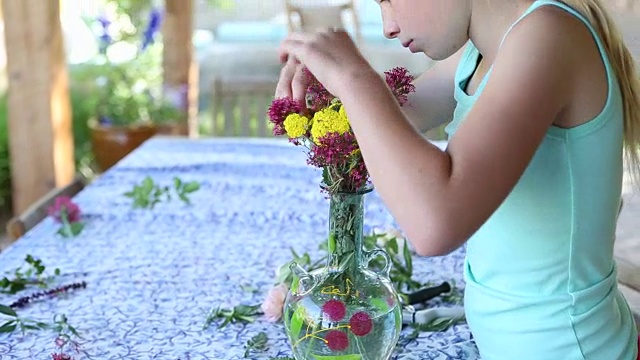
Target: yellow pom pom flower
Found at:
x=296, y=125
x=327, y=121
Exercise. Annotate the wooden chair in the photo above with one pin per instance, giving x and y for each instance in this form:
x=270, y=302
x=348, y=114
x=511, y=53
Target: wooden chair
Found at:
x=321, y=14
x=20, y=224
x=239, y=105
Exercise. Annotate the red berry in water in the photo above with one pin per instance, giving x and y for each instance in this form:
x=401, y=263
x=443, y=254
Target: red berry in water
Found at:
x=337, y=340
x=335, y=310
x=361, y=324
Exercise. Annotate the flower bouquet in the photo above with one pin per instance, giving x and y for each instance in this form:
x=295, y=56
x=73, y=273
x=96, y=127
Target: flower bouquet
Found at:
x=344, y=310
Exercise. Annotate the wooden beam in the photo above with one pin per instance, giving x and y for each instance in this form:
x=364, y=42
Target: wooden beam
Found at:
x=40, y=126
x=180, y=69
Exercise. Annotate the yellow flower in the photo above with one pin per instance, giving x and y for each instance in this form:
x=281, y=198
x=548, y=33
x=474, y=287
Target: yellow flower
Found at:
x=296, y=125
x=327, y=121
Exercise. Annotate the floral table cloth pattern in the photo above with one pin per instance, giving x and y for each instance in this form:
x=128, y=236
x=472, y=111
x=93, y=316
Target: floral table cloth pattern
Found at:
x=153, y=274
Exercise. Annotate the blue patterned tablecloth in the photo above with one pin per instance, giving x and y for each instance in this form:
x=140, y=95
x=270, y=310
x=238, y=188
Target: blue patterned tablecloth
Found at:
x=153, y=275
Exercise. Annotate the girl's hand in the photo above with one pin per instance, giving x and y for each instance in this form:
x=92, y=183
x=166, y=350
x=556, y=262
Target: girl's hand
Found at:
x=330, y=55
x=293, y=82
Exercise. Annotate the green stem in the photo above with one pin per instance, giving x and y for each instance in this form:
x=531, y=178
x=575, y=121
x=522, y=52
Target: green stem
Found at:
x=66, y=226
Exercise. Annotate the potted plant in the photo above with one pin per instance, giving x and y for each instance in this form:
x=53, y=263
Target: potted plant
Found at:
x=132, y=104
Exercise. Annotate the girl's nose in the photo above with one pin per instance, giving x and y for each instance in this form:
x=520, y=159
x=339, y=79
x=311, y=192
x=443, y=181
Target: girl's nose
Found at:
x=391, y=29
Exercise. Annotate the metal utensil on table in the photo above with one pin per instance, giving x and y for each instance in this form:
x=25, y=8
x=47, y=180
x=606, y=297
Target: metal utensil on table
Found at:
x=425, y=294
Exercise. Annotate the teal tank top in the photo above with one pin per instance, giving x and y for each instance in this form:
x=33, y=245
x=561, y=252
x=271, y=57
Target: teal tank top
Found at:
x=540, y=275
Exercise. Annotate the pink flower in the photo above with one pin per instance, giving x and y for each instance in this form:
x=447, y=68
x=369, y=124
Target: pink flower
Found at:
x=274, y=302
x=400, y=82
x=279, y=110
x=63, y=206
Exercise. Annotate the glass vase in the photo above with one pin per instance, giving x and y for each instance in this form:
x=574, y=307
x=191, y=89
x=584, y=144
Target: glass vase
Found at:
x=345, y=310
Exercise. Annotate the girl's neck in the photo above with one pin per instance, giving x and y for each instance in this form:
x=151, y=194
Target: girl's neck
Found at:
x=490, y=21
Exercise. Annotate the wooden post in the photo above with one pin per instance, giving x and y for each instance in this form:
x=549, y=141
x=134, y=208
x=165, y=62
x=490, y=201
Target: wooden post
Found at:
x=40, y=126
x=180, y=69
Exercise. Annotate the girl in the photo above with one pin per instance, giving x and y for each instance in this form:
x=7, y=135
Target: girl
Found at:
x=542, y=96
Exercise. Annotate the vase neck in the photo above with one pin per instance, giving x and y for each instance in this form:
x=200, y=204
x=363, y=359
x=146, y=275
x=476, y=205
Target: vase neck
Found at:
x=345, y=231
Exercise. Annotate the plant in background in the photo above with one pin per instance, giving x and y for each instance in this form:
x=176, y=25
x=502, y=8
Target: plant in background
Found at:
x=128, y=70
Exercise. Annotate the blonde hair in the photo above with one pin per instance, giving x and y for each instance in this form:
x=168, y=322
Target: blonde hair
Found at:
x=624, y=67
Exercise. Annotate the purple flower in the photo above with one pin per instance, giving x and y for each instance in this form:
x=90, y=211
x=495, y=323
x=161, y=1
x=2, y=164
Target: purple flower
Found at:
x=155, y=20
x=63, y=208
x=105, y=38
x=279, y=110
x=400, y=82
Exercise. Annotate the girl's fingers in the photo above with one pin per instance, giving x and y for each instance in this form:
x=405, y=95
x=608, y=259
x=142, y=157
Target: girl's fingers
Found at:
x=299, y=84
x=283, y=89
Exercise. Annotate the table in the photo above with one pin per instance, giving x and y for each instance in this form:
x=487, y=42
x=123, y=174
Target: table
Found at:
x=153, y=275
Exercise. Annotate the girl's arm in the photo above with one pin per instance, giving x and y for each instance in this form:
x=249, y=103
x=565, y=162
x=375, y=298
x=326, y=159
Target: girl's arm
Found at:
x=430, y=106
x=440, y=198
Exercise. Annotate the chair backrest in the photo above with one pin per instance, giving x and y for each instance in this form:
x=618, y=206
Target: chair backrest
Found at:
x=20, y=224
x=311, y=17
x=239, y=105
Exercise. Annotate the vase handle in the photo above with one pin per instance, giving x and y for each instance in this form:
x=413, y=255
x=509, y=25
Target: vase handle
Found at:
x=306, y=281
x=387, y=260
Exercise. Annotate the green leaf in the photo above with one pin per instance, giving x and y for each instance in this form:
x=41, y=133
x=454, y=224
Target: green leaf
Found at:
x=331, y=244
x=76, y=228
x=191, y=186
x=184, y=198
x=7, y=311
x=296, y=321
x=392, y=246
x=407, y=260
x=438, y=324
x=147, y=183
x=177, y=183
x=8, y=327
x=256, y=343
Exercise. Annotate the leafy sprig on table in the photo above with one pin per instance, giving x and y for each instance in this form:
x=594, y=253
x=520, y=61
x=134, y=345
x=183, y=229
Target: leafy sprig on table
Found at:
x=32, y=273
x=16, y=322
x=257, y=343
x=148, y=194
x=239, y=313
x=65, y=332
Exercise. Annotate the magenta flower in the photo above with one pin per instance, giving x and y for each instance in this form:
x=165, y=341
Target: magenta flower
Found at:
x=401, y=83
x=334, y=149
x=64, y=209
x=319, y=97
x=67, y=213
x=279, y=110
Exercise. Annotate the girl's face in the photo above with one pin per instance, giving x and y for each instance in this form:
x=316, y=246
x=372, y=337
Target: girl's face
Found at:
x=436, y=27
